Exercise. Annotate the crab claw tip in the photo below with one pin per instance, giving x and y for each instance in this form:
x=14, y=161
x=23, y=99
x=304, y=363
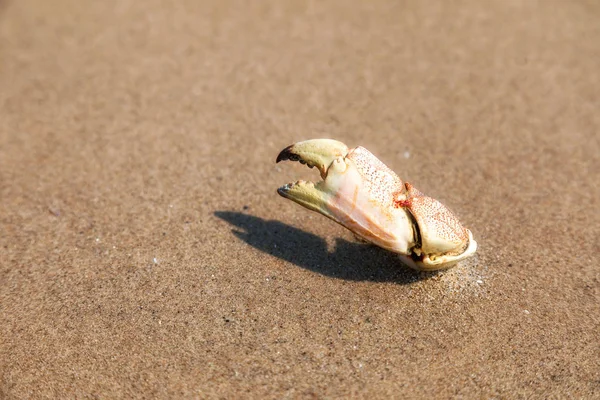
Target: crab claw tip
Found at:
x=286, y=154
x=318, y=153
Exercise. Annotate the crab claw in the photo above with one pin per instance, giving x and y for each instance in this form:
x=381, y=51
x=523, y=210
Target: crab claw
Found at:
x=361, y=193
x=356, y=192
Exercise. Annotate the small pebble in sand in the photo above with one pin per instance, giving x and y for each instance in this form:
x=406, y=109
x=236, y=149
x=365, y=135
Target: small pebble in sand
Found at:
x=155, y=260
x=479, y=281
x=526, y=311
x=407, y=154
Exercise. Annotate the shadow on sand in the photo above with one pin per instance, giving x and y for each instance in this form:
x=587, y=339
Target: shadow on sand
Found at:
x=350, y=261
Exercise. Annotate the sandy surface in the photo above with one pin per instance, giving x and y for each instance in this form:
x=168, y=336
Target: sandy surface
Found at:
x=144, y=251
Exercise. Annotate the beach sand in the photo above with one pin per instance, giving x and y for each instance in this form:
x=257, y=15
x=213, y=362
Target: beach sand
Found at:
x=145, y=253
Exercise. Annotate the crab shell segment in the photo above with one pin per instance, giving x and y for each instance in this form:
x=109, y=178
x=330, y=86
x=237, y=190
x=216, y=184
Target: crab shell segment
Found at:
x=361, y=193
x=443, y=240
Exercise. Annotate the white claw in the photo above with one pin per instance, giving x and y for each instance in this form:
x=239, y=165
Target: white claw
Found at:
x=361, y=193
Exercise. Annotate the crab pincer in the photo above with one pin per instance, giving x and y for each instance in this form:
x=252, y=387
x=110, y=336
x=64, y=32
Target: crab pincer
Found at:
x=361, y=193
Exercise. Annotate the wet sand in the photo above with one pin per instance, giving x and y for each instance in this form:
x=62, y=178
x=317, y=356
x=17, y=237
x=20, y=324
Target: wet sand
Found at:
x=145, y=253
